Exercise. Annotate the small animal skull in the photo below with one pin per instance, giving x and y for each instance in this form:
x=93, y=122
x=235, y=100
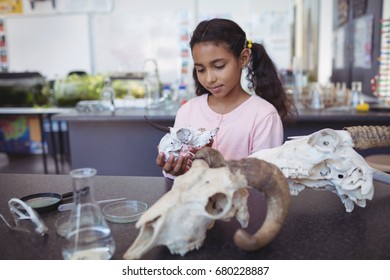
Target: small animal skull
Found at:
x=212, y=189
x=179, y=141
x=324, y=160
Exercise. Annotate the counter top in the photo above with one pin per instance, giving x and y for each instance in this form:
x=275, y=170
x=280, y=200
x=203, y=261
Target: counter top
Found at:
x=317, y=226
x=163, y=114
x=132, y=114
x=341, y=114
x=33, y=111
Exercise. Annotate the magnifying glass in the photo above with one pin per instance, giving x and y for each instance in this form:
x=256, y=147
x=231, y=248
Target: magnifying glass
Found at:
x=44, y=202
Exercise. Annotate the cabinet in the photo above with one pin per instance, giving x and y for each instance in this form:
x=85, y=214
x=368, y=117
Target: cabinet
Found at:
x=357, y=36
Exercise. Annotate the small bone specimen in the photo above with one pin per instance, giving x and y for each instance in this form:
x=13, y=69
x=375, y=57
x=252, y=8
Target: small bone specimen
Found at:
x=213, y=189
x=179, y=141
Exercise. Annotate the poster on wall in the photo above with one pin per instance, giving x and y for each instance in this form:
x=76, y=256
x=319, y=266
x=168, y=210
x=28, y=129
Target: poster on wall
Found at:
x=11, y=7
x=362, y=52
x=338, y=52
x=342, y=12
x=359, y=8
x=272, y=29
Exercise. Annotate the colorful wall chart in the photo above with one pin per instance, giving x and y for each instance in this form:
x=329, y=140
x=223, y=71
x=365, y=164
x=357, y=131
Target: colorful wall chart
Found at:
x=381, y=82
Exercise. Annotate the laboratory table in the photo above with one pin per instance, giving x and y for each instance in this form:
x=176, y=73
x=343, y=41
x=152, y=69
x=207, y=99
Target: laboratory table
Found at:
x=317, y=226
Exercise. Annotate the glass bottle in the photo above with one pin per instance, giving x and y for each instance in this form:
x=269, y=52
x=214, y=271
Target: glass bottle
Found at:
x=357, y=94
x=107, y=95
x=182, y=94
x=341, y=93
x=317, y=101
x=88, y=236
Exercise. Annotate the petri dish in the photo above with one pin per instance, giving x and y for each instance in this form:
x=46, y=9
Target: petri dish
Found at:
x=61, y=225
x=127, y=211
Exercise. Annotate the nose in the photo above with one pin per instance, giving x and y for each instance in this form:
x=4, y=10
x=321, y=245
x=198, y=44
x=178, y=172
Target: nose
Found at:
x=210, y=77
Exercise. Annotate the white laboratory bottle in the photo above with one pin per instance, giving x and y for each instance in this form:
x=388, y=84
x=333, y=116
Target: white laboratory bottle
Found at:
x=88, y=236
x=169, y=97
x=182, y=94
x=317, y=101
x=341, y=94
x=357, y=96
x=167, y=93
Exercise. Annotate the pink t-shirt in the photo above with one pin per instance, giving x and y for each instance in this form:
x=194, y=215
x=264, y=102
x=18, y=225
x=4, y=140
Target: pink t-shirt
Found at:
x=252, y=126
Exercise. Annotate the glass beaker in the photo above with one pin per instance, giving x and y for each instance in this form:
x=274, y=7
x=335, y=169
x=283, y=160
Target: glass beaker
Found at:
x=317, y=98
x=88, y=236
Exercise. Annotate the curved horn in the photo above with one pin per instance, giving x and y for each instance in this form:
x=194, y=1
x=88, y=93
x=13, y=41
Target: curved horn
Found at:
x=265, y=177
x=157, y=126
x=268, y=179
x=365, y=137
x=213, y=158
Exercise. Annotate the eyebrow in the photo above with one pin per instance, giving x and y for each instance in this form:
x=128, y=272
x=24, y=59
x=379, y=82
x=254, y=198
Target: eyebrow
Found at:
x=212, y=62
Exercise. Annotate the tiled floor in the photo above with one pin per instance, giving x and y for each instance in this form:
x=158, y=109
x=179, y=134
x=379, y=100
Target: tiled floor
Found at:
x=30, y=164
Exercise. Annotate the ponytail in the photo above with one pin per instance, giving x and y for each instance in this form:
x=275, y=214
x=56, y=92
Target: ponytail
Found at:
x=264, y=79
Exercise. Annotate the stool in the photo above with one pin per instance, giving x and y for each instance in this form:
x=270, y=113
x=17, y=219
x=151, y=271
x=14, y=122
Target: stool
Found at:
x=380, y=162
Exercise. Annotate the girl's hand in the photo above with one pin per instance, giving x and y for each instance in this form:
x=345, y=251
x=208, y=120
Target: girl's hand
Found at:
x=174, y=166
x=178, y=166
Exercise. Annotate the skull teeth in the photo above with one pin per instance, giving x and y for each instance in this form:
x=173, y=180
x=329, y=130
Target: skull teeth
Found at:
x=190, y=247
x=294, y=172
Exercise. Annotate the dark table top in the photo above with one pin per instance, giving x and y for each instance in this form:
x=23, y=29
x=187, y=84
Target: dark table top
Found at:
x=317, y=226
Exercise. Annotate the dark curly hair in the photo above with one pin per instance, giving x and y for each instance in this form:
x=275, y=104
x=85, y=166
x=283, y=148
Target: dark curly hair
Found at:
x=262, y=74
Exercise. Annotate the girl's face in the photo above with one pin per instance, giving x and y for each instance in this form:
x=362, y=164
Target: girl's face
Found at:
x=217, y=69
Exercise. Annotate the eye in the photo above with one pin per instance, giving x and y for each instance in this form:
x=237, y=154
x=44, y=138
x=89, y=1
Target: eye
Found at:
x=219, y=66
x=199, y=70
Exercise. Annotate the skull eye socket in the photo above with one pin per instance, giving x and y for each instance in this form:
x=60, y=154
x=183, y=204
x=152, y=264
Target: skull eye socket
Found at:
x=216, y=204
x=184, y=135
x=325, y=143
x=326, y=139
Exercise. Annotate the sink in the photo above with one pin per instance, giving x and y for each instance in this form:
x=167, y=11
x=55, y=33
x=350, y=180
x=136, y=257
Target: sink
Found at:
x=96, y=106
x=91, y=106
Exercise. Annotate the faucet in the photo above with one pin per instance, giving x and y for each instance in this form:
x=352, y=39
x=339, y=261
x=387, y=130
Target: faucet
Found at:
x=154, y=62
x=153, y=78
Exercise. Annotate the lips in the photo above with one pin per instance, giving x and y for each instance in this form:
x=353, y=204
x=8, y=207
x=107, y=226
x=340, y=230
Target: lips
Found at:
x=216, y=89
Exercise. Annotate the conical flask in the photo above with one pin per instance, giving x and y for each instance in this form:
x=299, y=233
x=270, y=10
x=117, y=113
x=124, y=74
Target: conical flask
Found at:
x=88, y=236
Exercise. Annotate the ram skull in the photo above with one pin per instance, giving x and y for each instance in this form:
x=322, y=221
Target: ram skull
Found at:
x=213, y=189
x=327, y=160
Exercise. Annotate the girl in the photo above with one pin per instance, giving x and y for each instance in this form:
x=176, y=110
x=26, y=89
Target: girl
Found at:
x=247, y=123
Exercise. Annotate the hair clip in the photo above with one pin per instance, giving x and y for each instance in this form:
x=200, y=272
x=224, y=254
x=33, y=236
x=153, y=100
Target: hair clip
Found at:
x=249, y=44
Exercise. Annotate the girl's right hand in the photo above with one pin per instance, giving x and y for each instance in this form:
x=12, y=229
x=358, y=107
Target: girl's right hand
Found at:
x=174, y=166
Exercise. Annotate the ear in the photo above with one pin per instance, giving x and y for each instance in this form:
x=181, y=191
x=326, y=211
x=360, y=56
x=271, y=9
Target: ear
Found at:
x=244, y=57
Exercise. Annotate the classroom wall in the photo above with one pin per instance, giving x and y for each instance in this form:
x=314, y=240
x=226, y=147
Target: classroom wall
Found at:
x=119, y=35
